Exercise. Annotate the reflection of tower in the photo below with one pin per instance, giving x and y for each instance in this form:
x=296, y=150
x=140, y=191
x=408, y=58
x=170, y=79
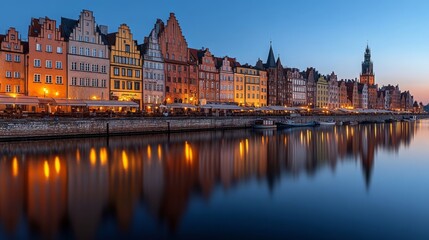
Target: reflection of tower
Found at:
x=368, y=137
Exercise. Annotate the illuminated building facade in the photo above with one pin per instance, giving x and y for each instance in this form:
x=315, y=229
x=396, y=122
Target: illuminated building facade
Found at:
x=125, y=66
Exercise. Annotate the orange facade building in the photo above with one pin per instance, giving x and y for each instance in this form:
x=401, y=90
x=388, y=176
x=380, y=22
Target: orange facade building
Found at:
x=12, y=63
x=47, y=57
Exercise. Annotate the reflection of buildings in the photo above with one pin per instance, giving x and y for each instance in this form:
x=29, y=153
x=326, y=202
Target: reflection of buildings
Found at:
x=75, y=185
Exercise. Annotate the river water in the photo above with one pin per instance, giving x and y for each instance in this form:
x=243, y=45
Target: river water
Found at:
x=344, y=182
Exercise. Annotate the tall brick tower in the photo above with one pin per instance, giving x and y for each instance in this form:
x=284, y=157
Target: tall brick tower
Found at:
x=367, y=75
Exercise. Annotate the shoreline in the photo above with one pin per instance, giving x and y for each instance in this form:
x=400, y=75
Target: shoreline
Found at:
x=66, y=128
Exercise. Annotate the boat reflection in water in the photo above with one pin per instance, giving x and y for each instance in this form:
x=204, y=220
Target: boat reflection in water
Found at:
x=95, y=188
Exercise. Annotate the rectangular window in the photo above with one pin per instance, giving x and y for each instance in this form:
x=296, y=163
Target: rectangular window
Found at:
x=36, y=78
x=86, y=81
x=137, y=86
x=87, y=67
x=123, y=72
x=74, y=81
x=16, y=75
x=8, y=74
x=48, y=64
x=48, y=79
x=101, y=54
x=74, y=66
x=116, y=71
x=129, y=73
x=59, y=50
x=48, y=48
x=103, y=69
x=87, y=51
x=58, y=65
x=17, y=58
x=94, y=52
x=9, y=57
x=129, y=85
x=17, y=89
x=73, y=50
x=103, y=83
x=38, y=47
x=123, y=84
x=81, y=51
x=116, y=84
x=127, y=48
x=59, y=80
x=8, y=88
x=37, y=63
x=138, y=73
x=81, y=81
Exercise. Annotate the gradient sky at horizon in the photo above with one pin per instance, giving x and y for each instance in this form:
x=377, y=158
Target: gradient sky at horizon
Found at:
x=330, y=35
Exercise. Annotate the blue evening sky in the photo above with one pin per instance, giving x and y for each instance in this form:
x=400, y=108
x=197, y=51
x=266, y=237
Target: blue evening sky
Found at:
x=330, y=35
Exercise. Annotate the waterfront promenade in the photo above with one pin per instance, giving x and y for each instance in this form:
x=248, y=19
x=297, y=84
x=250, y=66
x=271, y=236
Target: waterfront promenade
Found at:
x=53, y=128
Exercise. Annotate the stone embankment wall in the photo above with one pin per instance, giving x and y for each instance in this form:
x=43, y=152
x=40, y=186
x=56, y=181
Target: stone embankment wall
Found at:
x=24, y=129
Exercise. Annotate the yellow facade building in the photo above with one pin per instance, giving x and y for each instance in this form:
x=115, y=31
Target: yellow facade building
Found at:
x=125, y=66
x=250, y=86
x=322, y=92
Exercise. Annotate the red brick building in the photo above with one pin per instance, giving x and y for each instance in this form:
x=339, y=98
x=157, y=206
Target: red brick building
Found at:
x=47, y=69
x=208, y=79
x=12, y=63
x=174, y=48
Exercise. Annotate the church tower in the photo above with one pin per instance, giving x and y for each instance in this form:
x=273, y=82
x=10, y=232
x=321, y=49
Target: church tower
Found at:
x=367, y=75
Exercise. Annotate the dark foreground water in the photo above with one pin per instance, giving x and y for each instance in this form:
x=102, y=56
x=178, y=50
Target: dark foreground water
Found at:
x=348, y=182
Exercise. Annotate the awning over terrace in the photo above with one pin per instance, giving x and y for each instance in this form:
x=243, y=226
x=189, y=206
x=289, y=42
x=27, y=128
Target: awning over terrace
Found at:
x=18, y=100
x=222, y=107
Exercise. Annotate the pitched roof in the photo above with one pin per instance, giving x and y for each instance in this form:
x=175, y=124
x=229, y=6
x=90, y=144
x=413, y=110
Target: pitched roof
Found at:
x=67, y=26
x=35, y=28
x=193, y=53
x=111, y=38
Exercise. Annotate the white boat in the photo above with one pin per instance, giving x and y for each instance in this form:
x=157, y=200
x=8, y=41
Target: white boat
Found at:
x=322, y=123
x=291, y=124
x=264, y=124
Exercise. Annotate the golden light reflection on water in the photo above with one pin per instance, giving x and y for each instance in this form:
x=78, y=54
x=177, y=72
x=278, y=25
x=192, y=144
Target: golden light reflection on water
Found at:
x=15, y=167
x=188, y=153
x=46, y=169
x=77, y=155
x=125, y=160
x=93, y=156
x=57, y=165
x=103, y=156
x=159, y=152
x=149, y=152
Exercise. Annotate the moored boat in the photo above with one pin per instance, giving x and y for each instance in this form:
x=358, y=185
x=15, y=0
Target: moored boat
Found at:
x=351, y=123
x=323, y=123
x=292, y=124
x=264, y=124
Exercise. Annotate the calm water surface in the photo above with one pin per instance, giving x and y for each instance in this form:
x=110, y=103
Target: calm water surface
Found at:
x=348, y=182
